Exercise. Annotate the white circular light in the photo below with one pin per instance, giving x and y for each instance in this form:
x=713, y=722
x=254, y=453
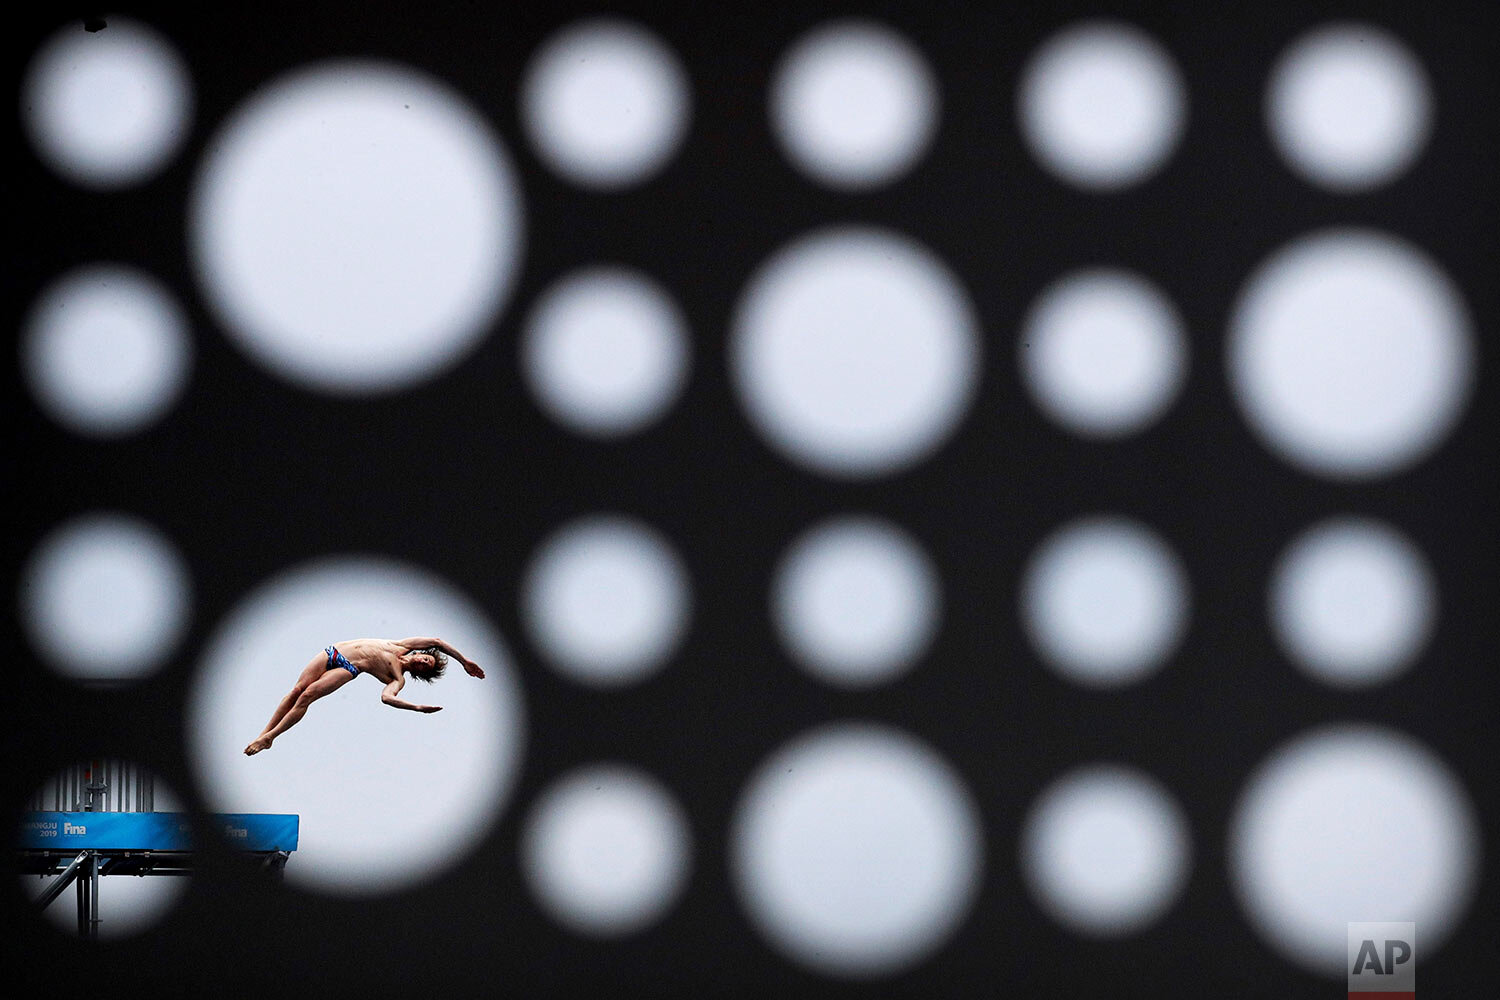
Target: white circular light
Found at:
x=607, y=600
x=606, y=351
x=856, y=600
x=606, y=103
x=356, y=226
x=128, y=906
x=856, y=850
x=106, y=350
x=1106, y=850
x=1105, y=601
x=1103, y=353
x=855, y=351
x=1351, y=353
x=107, y=109
x=1349, y=106
x=1352, y=601
x=854, y=104
x=1348, y=824
x=606, y=850
x=1102, y=105
x=105, y=597
x=388, y=799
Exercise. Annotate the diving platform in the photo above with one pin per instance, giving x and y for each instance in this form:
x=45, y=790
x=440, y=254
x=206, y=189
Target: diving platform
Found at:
x=79, y=846
x=150, y=832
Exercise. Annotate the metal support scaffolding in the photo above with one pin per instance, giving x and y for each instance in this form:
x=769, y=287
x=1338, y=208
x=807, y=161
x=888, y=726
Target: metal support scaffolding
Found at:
x=102, y=785
x=88, y=898
x=96, y=819
x=62, y=881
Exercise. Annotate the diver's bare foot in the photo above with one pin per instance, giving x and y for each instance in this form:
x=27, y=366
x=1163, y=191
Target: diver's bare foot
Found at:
x=263, y=743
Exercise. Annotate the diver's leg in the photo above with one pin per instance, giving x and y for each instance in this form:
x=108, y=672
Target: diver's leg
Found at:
x=330, y=682
x=314, y=669
x=327, y=684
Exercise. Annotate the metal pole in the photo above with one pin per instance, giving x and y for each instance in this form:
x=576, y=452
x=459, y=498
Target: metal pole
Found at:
x=60, y=883
x=91, y=790
x=94, y=899
x=83, y=902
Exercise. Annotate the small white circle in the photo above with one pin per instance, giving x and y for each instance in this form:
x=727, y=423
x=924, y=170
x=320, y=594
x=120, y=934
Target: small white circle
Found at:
x=606, y=850
x=1349, y=823
x=105, y=596
x=356, y=226
x=855, y=351
x=106, y=350
x=1103, y=352
x=607, y=600
x=1102, y=105
x=856, y=850
x=388, y=799
x=606, y=351
x=1105, y=601
x=854, y=104
x=606, y=103
x=1106, y=850
x=1352, y=601
x=1351, y=353
x=1349, y=106
x=856, y=600
x=107, y=109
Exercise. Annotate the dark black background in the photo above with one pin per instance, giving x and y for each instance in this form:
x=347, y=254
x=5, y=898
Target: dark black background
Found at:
x=242, y=476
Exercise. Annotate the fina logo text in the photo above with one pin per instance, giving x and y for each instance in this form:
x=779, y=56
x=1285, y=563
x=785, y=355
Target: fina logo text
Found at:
x=74, y=828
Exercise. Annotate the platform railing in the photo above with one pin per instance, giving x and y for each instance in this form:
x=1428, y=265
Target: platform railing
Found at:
x=102, y=785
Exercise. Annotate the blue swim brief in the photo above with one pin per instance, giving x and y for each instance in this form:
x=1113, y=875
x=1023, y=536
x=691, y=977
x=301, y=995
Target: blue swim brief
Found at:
x=337, y=659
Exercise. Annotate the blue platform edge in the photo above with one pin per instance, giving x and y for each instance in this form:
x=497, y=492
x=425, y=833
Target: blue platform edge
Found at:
x=151, y=831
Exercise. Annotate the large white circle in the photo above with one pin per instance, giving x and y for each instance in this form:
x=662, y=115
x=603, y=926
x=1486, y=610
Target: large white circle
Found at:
x=1103, y=352
x=1352, y=601
x=856, y=850
x=1347, y=824
x=854, y=104
x=855, y=351
x=1349, y=106
x=1104, y=601
x=606, y=351
x=105, y=596
x=1351, y=353
x=606, y=850
x=607, y=600
x=107, y=109
x=106, y=350
x=1102, y=105
x=856, y=600
x=387, y=799
x=606, y=103
x=129, y=905
x=356, y=226
x=1105, y=850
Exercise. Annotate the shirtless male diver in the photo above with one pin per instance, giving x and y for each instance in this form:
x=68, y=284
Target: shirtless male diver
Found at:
x=388, y=661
